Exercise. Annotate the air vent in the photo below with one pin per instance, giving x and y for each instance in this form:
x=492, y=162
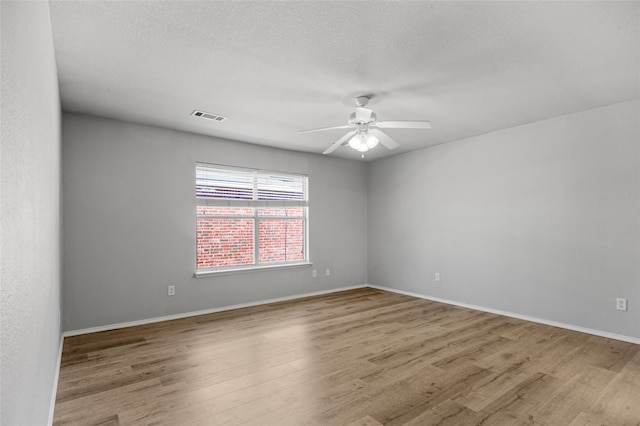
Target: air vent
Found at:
x=208, y=116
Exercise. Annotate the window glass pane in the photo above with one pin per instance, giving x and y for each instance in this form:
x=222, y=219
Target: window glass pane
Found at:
x=224, y=242
x=281, y=240
x=224, y=184
x=224, y=211
x=281, y=187
x=282, y=212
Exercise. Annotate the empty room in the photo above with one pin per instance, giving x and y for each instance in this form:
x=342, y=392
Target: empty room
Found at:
x=352, y=213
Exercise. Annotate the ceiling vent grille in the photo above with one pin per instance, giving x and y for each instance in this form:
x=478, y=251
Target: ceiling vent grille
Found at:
x=209, y=116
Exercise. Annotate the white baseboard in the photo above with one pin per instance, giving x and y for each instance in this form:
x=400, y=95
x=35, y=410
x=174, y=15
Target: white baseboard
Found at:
x=572, y=327
x=594, y=332
x=204, y=312
x=54, y=391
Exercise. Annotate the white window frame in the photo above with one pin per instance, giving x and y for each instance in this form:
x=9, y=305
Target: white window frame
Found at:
x=256, y=204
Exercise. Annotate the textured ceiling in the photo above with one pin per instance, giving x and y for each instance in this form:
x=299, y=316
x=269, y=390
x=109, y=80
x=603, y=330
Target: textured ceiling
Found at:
x=278, y=67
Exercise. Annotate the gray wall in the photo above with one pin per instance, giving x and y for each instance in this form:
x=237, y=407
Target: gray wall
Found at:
x=29, y=214
x=540, y=220
x=129, y=221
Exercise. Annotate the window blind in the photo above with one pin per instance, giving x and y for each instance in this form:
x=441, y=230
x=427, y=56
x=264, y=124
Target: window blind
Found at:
x=231, y=183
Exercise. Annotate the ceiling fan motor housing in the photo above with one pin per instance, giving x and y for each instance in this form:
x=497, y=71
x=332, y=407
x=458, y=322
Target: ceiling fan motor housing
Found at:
x=355, y=122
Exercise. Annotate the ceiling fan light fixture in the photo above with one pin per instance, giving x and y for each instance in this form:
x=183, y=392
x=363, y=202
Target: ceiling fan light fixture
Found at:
x=371, y=140
x=363, y=142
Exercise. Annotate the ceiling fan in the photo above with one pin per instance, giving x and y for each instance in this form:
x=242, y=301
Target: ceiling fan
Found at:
x=366, y=131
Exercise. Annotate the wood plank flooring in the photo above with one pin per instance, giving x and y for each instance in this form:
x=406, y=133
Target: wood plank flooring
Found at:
x=360, y=358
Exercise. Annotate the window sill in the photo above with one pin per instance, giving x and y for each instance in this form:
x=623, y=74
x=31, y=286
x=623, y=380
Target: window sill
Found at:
x=204, y=274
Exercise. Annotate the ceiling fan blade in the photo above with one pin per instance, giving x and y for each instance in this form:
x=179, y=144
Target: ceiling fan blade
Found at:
x=403, y=124
x=346, y=126
x=339, y=142
x=363, y=114
x=384, y=139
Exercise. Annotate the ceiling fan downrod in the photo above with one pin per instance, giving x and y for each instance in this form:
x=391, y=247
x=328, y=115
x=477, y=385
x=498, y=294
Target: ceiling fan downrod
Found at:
x=362, y=101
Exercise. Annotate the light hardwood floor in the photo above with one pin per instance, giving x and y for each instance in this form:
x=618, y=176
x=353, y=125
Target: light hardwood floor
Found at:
x=361, y=357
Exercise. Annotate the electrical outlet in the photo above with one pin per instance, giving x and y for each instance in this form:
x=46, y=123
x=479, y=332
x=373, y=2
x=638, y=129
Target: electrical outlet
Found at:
x=314, y=273
x=171, y=290
x=437, y=276
x=328, y=272
x=621, y=304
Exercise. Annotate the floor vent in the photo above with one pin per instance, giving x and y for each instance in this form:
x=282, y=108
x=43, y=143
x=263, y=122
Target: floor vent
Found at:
x=208, y=116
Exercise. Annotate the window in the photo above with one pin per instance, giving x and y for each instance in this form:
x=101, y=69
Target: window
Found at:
x=249, y=218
